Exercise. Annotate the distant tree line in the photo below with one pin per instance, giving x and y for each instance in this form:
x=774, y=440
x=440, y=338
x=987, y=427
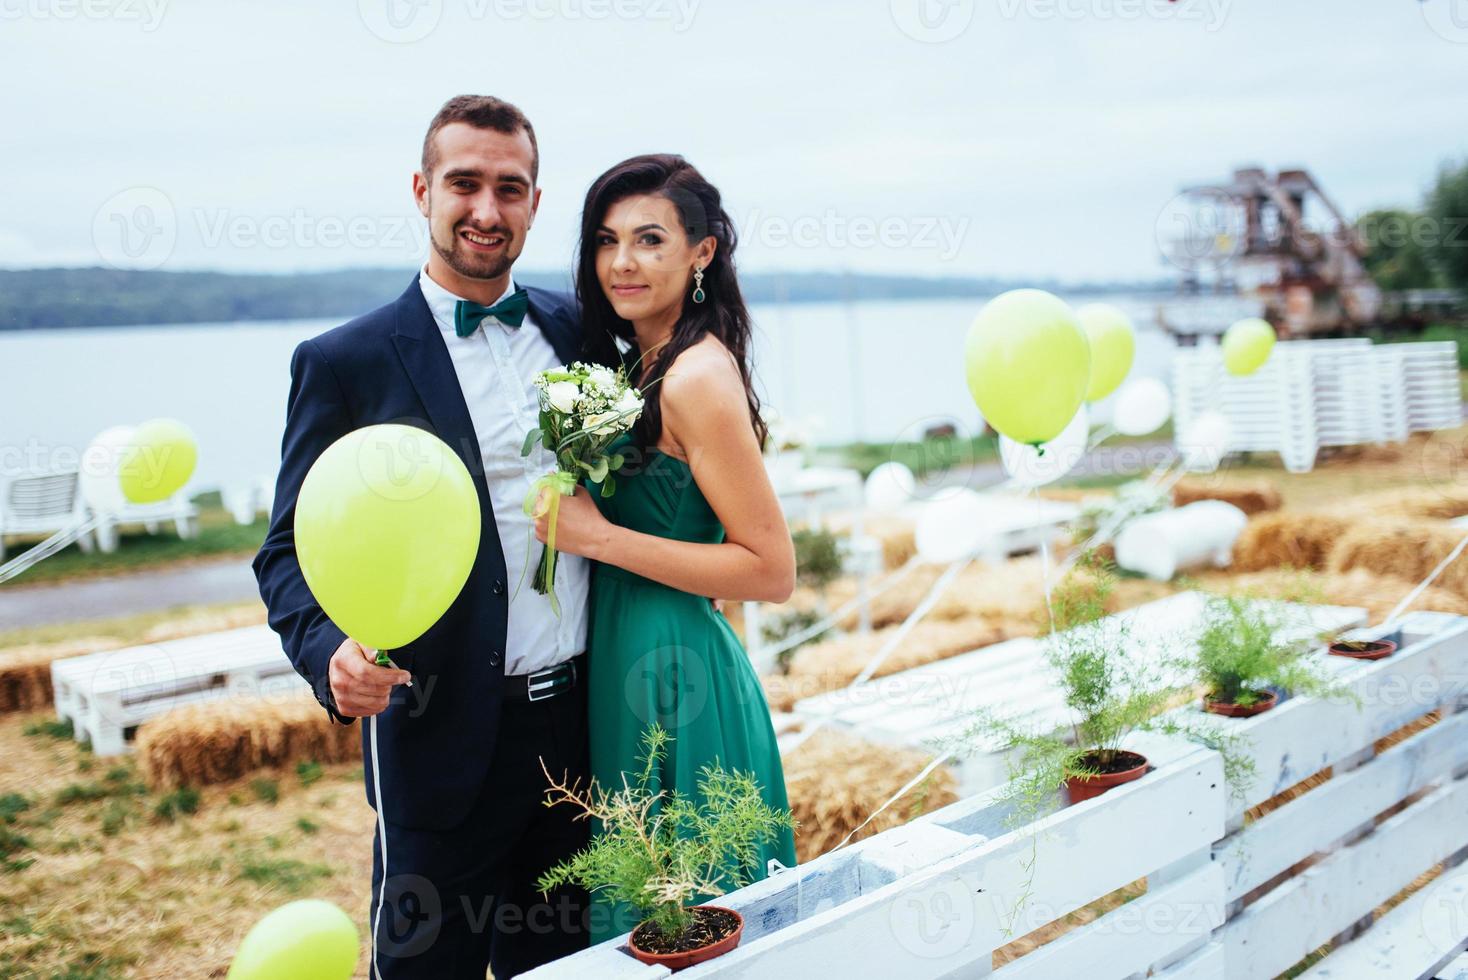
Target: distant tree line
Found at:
x=1425, y=248
x=95, y=297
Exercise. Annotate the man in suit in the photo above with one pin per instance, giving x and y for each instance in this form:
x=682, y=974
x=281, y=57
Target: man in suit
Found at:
x=498, y=684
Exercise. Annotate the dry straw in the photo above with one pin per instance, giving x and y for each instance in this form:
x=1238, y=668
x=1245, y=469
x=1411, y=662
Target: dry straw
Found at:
x=833, y=664
x=1291, y=538
x=1251, y=497
x=220, y=741
x=835, y=781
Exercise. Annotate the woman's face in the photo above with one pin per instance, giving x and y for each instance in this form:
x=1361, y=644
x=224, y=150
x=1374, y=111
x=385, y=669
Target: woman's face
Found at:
x=644, y=260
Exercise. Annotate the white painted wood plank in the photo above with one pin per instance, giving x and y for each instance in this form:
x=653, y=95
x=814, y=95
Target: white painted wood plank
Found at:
x=1409, y=941
x=1206, y=964
x=951, y=915
x=1327, y=813
x=1129, y=939
x=1284, y=926
x=604, y=962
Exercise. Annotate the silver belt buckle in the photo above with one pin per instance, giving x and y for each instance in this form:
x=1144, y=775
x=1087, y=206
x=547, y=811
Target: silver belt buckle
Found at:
x=550, y=687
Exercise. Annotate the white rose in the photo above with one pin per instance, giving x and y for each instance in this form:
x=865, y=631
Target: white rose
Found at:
x=603, y=378
x=598, y=420
x=630, y=402
x=563, y=395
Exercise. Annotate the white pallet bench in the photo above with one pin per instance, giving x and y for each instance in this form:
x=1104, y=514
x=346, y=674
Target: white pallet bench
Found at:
x=1410, y=940
x=935, y=897
x=106, y=695
x=919, y=707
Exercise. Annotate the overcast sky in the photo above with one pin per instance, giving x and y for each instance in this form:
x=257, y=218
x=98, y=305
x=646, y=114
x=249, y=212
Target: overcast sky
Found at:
x=934, y=137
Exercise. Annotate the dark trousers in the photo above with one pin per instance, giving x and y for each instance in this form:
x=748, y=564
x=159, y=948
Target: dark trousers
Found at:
x=461, y=900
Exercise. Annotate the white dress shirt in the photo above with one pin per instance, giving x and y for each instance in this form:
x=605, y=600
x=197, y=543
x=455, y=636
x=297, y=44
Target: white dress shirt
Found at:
x=496, y=366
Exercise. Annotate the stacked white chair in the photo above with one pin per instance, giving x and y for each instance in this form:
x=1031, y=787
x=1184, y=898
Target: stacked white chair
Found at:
x=1314, y=393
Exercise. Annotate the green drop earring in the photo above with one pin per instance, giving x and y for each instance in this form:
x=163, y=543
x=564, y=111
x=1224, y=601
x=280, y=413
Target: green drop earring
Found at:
x=698, y=293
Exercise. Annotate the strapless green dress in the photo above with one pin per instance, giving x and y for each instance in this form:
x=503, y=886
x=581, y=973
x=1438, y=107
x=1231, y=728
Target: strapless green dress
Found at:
x=655, y=654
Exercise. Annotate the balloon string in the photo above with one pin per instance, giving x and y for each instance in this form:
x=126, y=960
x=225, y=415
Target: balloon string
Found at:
x=944, y=757
x=1045, y=568
x=1417, y=590
x=56, y=542
x=382, y=838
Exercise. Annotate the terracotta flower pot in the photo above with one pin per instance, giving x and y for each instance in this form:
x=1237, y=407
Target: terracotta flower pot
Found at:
x=1267, y=700
x=1369, y=649
x=1085, y=787
x=685, y=958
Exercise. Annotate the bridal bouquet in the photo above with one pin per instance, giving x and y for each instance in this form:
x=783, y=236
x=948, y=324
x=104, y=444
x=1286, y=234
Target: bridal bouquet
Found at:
x=583, y=409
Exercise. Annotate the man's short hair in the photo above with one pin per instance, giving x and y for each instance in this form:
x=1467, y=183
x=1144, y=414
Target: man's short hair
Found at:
x=482, y=112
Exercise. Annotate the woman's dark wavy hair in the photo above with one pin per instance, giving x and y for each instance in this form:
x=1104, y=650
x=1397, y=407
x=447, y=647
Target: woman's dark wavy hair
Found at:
x=722, y=313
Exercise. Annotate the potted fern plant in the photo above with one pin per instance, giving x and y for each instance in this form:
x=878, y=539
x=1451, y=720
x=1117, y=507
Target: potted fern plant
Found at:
x=1110, y=694
x=659, y=850
x=1243, y=662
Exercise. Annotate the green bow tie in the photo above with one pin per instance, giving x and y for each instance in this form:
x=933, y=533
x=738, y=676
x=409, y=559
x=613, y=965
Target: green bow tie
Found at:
x=510, y=311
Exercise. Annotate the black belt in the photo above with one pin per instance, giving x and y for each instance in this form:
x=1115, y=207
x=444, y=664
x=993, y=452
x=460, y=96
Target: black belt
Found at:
x=545, y=683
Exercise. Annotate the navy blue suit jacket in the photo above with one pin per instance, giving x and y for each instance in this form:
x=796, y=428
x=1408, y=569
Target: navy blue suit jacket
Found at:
x=391, y=365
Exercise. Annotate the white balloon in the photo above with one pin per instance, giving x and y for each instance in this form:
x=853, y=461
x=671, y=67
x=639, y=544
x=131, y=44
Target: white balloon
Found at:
x=889, y=487
x=1204, y=442
x=101, y=461
x=1030, y=467
x=951, y=527
x=1142, y=406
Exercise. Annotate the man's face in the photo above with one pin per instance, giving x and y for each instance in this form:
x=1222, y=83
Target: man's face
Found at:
x=479, y=200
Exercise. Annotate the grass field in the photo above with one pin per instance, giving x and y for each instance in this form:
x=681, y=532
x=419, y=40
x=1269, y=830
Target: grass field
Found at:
x=100, y=878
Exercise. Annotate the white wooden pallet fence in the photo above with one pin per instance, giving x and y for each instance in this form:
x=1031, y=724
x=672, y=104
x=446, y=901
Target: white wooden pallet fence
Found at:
x=1314, y=393
x=936, y=897
x=106, y=695
x=916, y=708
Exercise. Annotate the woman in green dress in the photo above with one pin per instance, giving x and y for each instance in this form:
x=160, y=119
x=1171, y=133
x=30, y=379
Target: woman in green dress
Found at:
x=694, y=516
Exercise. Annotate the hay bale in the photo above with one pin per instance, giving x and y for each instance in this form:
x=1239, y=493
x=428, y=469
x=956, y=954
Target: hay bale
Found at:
x=220, y=741
x=25, y=680
x=1251, y=496
x=833, y=664
x=1402, y=548
x=1440, y=501
x=1289, y=538
x=1011, y=592
x=835, y=781
x=1378, y=594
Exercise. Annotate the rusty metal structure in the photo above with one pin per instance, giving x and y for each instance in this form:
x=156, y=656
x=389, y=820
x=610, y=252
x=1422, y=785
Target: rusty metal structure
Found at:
x=1278, y=240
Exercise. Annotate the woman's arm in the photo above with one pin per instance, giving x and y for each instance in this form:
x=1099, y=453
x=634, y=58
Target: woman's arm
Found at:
x=705, y=413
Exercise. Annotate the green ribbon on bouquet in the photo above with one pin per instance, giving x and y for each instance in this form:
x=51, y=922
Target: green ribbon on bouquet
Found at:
x=564, y=484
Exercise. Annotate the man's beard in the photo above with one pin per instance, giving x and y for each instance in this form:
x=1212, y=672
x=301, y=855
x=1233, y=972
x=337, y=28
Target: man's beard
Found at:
x=469, y=264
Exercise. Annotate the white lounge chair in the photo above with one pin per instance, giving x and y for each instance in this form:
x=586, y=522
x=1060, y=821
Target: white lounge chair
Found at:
x=178, y=509
x=40, y=503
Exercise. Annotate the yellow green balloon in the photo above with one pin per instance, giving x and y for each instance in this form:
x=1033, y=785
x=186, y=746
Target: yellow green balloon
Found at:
x=1113, y=346
x=1246, y=345
x=306, y=940
x=387, y=527
x=1028, y=364
x=158, y=461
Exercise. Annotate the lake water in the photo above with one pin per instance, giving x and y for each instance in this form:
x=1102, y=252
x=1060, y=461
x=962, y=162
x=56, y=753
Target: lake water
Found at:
x=878, y=370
